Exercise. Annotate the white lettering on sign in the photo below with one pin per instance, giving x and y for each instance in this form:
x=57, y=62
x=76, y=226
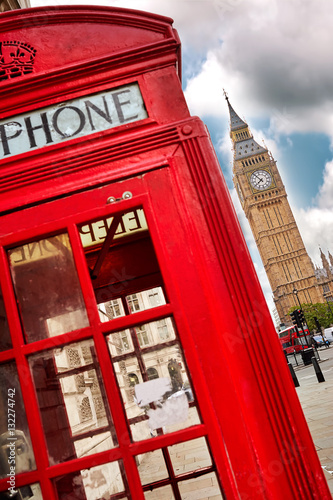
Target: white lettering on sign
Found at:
x=76, y=118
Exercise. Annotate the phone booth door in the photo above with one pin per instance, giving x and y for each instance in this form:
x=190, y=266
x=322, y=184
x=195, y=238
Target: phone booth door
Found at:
x=114, y=393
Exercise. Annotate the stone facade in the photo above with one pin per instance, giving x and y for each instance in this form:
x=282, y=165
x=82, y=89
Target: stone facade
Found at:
x=264, y=200
x=324, y=276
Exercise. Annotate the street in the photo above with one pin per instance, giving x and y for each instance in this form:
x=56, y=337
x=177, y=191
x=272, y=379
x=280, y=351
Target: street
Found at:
x=316, y=400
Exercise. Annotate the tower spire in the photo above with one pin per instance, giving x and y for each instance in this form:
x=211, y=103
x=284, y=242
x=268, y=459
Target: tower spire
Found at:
x=331, y=258
x=325, y=262
x=243, y=142
x=236, y=122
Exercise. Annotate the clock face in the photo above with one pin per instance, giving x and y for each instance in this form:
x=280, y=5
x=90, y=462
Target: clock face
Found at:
x=261, y=179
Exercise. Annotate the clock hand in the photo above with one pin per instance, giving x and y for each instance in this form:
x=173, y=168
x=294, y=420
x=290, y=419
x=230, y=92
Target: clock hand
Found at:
x=256, y=175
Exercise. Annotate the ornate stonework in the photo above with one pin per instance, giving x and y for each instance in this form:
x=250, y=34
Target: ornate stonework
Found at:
x=264, y=201
x=324, y=276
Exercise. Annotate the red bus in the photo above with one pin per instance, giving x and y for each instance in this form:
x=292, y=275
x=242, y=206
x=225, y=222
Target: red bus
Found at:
x=294, y=339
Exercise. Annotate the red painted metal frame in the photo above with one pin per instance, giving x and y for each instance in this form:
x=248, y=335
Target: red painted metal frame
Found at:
x=254, y=424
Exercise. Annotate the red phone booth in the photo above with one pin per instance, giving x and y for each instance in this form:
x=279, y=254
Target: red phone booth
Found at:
x=138, y=357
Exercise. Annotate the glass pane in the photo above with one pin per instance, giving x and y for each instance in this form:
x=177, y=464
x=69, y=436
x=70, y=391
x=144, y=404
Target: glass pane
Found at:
x=120, y=342
x=16, y=451
x=47, y=288
x=75, y=415
x=146, y=299
x=5, y=340
x=123, y=266
x=190, y=456
x=111, y=309
x=151, y=467
x=153, y=382
x=28, y=492
x=96, y=483
x=164, y=493
x=146, y=335
x=139, y=301
x=205, y=487
x=93, y=233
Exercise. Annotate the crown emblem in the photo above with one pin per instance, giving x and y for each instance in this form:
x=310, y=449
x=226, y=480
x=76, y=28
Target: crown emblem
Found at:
x=16, y=59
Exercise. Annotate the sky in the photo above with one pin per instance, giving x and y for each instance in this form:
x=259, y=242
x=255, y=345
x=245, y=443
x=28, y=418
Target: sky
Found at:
x=274, y=59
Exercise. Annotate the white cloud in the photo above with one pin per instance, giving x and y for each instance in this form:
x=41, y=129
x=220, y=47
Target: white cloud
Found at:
x=325, y=195
x=195, y=19
x=204, y=92
x=273, y=59
x=316, y=223
x=316, y=227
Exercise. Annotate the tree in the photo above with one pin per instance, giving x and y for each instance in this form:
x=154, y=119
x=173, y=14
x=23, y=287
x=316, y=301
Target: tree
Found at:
x=319, y=311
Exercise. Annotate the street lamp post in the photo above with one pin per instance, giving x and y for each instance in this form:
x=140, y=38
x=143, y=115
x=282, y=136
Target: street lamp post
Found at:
x=295, y=292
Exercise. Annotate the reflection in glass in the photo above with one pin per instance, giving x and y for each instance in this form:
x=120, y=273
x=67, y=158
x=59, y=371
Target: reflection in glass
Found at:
x=151, y=467
x=190, y=456
x=47, y=288
x=13, y=425
x=153, y=382
x=140, y=301
x=75, y=415
x=28, y=492
x=111, y=309
x=122, y=264
x=146, y=299
x=93, y=233
x=96, y=483
x=148, y=334
x=163, y=493
x=5, y=340
x=201, y=488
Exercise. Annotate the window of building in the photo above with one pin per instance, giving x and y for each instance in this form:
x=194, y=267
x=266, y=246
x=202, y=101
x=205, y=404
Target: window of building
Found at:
x=133, y=379
x=110, y=310
x=142, y=335
x=152, y=373
x=133, y=302
x=124, y=341
x=155, y=298
x=162, y=329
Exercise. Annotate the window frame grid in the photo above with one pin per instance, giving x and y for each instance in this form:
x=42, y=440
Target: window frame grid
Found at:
x=97, y=330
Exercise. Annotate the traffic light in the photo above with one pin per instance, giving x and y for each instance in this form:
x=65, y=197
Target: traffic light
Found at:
x=301, y=316
x=295, y=317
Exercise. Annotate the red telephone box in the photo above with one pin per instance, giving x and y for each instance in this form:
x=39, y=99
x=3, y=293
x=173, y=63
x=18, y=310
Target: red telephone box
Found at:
x=132, y=360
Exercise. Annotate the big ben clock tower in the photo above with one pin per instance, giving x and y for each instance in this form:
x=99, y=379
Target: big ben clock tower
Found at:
x=264, y=201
